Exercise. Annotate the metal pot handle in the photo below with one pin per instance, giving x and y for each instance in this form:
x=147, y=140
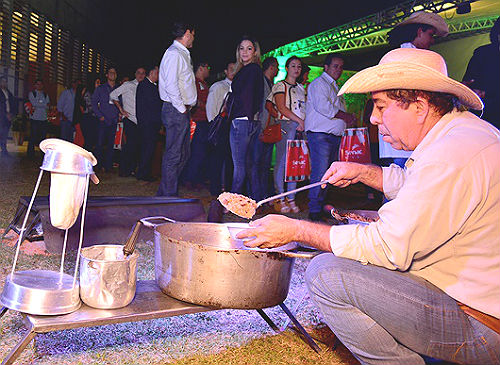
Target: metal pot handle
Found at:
x=147, y=223
x=301, y=255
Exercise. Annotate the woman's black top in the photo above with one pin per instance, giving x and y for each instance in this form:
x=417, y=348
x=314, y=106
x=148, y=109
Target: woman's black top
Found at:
x=247, y=92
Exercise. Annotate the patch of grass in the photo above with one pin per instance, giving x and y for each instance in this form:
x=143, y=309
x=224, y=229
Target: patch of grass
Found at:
x=285, y=348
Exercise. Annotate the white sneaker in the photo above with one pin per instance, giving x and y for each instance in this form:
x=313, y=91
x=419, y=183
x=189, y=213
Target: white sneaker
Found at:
x=282, y=207
x=293, y=207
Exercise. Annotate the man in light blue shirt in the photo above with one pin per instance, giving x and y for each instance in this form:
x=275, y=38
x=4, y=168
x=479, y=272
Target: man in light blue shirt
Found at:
x=326, y=119
x=65, y=106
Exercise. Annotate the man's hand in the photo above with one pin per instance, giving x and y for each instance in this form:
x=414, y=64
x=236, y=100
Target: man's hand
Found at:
x=343, y=174
x=271, y=231
x=101, y=119
x=124, y=113
x=350, y=120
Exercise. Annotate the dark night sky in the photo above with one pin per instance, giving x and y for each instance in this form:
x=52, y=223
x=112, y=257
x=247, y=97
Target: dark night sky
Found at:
x=138, y=32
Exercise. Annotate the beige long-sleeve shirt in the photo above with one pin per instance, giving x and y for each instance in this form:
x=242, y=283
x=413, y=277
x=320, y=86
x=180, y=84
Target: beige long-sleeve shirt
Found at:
x=442, y=223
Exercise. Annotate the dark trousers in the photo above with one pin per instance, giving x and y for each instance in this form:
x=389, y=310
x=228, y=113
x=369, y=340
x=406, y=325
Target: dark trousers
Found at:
x=265, y=154
x=89, y=125
x=176, y=148
x=38, y=132
x=4, y=131
x=148, y=136
x=130, y=150
x=196, y=168
x=221, y=165
x=105, y=141
x=67, y=130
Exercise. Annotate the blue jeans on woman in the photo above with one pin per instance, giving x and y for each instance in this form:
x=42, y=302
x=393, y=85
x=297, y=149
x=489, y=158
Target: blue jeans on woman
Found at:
x=288, y=129
x=392, y=317
x=323, y=149
x=243, y=137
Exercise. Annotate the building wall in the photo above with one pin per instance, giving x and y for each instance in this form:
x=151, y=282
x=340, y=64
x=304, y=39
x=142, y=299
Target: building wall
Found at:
x=47, y=39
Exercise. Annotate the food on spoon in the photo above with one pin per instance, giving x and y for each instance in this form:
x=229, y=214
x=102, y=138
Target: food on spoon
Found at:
x=238, y=204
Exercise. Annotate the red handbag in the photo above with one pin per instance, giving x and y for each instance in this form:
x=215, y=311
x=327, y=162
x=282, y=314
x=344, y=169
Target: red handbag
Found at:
x=272, y=132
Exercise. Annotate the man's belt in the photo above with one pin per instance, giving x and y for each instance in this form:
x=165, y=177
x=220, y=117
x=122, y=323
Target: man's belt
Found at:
x=486, y=319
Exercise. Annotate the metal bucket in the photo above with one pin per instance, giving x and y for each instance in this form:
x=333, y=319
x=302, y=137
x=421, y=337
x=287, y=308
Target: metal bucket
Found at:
x=107, y=278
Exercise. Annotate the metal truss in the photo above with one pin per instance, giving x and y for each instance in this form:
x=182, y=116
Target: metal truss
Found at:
x=371, y=30
x=456, y=29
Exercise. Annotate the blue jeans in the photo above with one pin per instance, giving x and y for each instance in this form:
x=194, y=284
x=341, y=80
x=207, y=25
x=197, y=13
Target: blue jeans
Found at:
x=176, y=148
x=243, y=137
x=288, y=128
x=323, y=149
x=391, y=317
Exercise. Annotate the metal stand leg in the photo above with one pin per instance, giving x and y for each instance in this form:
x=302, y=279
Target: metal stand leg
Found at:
x=301, y=329
x=3, y=310
x=268, y=320
x=20, y=346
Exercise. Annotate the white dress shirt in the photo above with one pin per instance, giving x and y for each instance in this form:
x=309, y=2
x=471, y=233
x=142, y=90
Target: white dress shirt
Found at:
x=216, y=95
x=442, y=223
x=322, y=105
x=176, y=78
x=127, y=90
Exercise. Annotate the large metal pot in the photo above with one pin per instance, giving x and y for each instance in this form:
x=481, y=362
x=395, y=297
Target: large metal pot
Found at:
x=200, y=263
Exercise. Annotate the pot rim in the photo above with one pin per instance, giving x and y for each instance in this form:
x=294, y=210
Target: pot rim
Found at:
x=134, y=255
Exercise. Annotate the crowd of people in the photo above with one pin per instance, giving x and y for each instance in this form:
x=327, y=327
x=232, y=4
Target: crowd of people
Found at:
x=240, y=161
x=175, y=95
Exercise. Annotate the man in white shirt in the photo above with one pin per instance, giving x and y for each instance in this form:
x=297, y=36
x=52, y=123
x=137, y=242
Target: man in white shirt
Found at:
x=423, y=279
x=131, y=149
x=218, y=92
x=178, y=91
x=326, y=119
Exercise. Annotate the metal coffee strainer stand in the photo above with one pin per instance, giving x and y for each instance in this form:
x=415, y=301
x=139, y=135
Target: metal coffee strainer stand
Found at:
x=46, y=292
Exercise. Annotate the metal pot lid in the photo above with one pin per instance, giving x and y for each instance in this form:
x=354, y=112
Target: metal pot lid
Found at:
x=219, y=236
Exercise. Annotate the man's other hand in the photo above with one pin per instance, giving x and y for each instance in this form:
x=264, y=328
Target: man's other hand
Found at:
x=270, y=231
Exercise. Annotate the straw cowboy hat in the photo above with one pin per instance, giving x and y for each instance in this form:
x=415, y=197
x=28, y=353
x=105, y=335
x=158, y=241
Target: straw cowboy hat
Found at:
x=414, y=69
x=425, y=17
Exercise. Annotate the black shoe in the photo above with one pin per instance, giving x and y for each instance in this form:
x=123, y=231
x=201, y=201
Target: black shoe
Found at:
x=215, y=212
x=316, y=217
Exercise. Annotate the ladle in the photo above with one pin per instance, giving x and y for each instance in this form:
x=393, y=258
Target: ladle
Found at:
x=251, y=202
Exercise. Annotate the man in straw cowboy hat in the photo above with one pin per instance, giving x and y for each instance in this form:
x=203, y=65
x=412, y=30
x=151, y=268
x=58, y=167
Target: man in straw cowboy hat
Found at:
x=423, y=279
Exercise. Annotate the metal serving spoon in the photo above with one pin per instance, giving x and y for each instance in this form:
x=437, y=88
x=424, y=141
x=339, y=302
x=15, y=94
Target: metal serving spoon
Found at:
x=226, y=200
